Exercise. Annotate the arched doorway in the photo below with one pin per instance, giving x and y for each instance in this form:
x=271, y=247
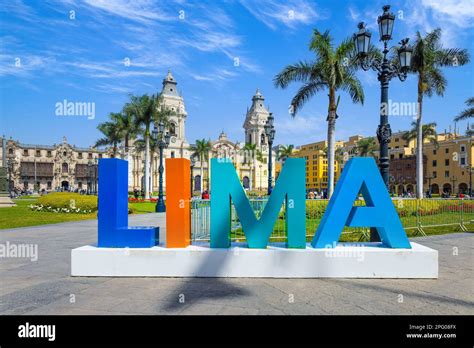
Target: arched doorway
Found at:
x=246, y=182
x=410, y=188
x=401, y=190
x=65, y=185
x=197, y=183
x=435, y=189
x=463, y=188
x=392, y=189
x=447, y=188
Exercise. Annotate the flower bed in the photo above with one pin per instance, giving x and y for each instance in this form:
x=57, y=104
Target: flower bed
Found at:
x=66, y=202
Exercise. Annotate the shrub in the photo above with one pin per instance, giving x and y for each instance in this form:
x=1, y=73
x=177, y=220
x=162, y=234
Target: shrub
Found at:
x=66, y=202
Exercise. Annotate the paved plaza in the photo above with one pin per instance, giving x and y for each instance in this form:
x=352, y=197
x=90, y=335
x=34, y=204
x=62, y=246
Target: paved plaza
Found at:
x=46, y=287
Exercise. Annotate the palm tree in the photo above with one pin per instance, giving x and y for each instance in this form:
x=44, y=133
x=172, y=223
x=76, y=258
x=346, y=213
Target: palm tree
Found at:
x=428, y=133
x=467, y=113
x=366, y=146
x=126, y=124
x=429, y=56
x=144, y=110
x=201, y=150
x=112, y=135
x=330, y=71
x=284, y=152
x=250, y=152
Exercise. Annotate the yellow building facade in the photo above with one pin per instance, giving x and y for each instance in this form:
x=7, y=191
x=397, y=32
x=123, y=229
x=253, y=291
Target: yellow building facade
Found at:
x=317, y=165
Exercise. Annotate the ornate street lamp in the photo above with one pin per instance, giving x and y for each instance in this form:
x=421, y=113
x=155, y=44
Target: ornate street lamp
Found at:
x=10, y=164
x=386, y=71
x=163, y=140
x=270, y=133
x=89, y=177
x=96, y=174
x=193, y=163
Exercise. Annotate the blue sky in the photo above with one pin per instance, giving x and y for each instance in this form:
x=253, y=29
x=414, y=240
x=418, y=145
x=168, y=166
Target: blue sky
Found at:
x=49, y=54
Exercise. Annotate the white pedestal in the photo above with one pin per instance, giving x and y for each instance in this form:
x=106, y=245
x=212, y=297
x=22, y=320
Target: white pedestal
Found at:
x=364, y=260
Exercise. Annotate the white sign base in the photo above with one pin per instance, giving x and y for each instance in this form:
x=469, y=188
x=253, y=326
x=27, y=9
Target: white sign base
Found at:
x=346, y=260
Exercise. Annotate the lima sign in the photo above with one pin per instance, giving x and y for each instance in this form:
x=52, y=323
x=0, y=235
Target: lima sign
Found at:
x=360, y=176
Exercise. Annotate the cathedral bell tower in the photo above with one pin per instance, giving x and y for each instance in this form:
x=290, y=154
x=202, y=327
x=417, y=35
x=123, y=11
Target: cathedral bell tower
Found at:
x=255, y=120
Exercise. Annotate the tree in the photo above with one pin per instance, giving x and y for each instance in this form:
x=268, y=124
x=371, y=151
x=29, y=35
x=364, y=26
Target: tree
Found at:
x=201, y=150
x=428, y=133
x=144, y=109
x=467, y=113
x=127, y=125
x=285, y=152
x=333, y=71
x=112, y=135
x=366, y=146
x=428, y=58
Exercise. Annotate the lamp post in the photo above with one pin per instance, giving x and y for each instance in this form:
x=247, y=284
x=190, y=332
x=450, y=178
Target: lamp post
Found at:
x=89, y=177
x=96, y=174
x=193, y=163
x=270, y=133
x=386, y=71
x=453, y=180
x=429, y=185
x=10, y=163
x=163, y=140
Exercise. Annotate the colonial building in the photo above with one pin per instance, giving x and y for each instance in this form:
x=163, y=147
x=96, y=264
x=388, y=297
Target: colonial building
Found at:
x=317, y=165
x=51, y=168
x=251, y=167
x=67, y=167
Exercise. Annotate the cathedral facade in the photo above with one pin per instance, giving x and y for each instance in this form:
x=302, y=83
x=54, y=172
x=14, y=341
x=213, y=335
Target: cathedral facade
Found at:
x=251, y=166
x=67, y=167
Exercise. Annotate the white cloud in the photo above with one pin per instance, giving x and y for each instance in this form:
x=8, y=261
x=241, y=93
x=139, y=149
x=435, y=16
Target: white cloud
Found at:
x=458, y=12
x=289, y=13
x=303, y=127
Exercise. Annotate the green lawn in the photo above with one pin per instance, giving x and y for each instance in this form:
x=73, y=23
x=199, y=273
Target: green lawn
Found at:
x=22, y=216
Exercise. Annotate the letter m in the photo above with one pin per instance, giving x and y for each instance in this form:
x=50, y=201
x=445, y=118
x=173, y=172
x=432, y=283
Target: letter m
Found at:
x=227, y=189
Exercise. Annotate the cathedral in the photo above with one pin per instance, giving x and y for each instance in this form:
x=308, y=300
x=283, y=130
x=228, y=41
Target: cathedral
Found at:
x=67, y=167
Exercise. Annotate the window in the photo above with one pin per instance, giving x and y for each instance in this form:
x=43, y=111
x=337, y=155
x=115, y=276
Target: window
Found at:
x=392, y=156
x=463, y=161
x=446, y=162
x=100, y=155
x=10, y=151
x=49, y=186
x=172, y=154
x=25, y=152
x=435, y=163
x=463, y=148
x=397, y=139
x=79, y=155
x=400, y=155
x=65, y=168
x=434, y=152
x=172, y=129
x=446, y=150
x=49, y=153
x=38, y=153
x=434, y=175
x=64, y=153
x=446, y=173
x=89, y=155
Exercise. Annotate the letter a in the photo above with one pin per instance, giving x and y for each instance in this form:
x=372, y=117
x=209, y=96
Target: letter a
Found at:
x=361, y=175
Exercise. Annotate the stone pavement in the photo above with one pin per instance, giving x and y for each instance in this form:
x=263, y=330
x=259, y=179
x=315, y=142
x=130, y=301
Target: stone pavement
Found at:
x=46, y=287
